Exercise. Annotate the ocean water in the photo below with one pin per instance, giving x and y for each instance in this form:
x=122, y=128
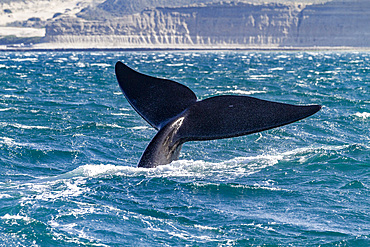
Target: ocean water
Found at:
x=70, y=143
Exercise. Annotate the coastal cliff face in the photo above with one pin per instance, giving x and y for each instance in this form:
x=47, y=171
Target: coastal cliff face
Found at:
x=337, y=23
x=224, y=25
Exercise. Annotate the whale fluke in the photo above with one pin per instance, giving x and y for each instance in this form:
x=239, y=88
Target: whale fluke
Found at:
x=174, y=111
x=156, y=100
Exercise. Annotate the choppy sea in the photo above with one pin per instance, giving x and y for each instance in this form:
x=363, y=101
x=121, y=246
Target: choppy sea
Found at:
x=70, y=143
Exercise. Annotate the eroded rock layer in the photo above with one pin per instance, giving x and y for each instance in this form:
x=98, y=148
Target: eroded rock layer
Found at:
x=225, y=24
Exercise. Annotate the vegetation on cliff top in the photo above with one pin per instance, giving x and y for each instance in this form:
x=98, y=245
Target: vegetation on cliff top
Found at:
x=115, y=8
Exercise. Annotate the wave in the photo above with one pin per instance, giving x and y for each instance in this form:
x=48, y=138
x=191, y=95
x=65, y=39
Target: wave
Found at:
x=199, y=169
x=199, y=177
x=11, y=142
x=180, y=168
x=28, y=59
x=8, y=109
x=238, y=91
x=93, y=125
x=104, y=65
x=197, y=173
x=5, y=196
x=363, y=115
x=121, y=114
x=22, y=126
x=15, y=217
x=8, y=96
x=113, y=126
x=260, y=77
x=235, y=167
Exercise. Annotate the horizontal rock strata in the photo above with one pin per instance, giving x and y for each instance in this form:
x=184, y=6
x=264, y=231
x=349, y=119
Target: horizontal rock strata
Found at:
x=224, y=25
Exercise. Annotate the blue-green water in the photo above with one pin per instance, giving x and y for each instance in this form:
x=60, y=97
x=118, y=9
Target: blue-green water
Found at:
x=70, y=142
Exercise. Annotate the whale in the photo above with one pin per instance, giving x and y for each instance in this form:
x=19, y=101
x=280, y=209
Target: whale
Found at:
x=175, y=112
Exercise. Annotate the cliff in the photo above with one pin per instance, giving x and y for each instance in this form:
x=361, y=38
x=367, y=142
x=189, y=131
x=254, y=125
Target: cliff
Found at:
x=337, y=23
x=117, y=8
x=224, y=25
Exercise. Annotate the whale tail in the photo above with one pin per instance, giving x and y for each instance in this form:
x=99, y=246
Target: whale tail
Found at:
x=174, y=111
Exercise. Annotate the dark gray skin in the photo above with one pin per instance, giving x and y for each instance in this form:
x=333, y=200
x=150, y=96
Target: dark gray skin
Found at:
x=164, y=147
x=174, y=111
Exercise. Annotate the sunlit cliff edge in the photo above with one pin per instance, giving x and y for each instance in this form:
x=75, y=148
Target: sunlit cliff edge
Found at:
x=219, y=25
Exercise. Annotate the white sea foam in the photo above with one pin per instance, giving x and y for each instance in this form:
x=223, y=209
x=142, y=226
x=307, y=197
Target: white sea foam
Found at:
x=120, y=114
x=6, y=109
x=8, y=96
x=104, y=65
x=109, y=125
x=16, y=217
x=205, y=227
x=310, y=223
x=276, y=69
x=66, y=188
x=27, y=59
x=78, y=134
x=140, y=127
x=125, y=109
x=259, y=77
x=71, y=184
x=175, y=64
x=4, y=196
x=238, y=91
x=364, y=115
x=98, y=170
x=11, y=142
x=6, y=140
x=182, y=168
x=22, y=126
x=240, y=166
